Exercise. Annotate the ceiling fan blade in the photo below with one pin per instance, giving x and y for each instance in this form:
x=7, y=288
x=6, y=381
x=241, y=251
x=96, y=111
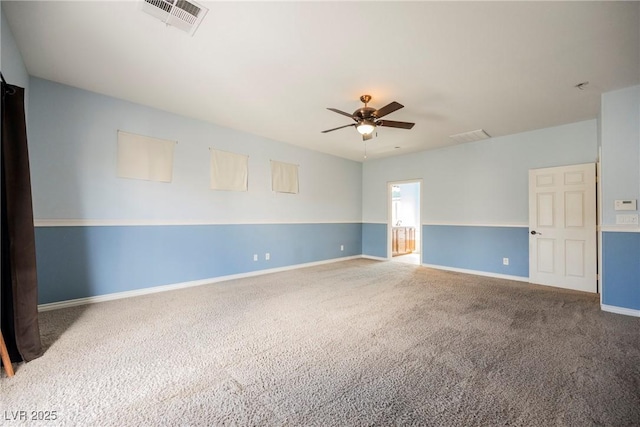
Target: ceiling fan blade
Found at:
x=367, y=137
x=335, y=110
x=345, y=126
x=389, y=108
x=394, y=124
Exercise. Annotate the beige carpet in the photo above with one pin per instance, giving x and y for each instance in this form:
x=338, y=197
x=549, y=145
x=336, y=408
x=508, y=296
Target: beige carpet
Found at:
x=352, y=343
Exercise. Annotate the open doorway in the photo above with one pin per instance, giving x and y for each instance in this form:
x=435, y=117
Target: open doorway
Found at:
x=404, y=230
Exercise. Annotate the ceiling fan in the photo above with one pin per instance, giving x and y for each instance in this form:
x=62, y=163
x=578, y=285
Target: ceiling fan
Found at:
x=368, y=118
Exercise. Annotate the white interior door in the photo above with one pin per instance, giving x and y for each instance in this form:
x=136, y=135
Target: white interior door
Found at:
x=562, y=227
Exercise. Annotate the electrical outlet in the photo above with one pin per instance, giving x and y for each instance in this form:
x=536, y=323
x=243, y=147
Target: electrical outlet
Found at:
x=505, y=261
x=267, y=256
x=342, y=247
x=627, y=219
x=255, y=257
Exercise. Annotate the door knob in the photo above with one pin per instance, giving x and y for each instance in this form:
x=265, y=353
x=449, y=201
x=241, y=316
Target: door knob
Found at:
x=534, y=232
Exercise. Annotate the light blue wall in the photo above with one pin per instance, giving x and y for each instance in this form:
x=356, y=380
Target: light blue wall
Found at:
x=472, y=191
x=478, y=248
x=374, y=240
x=620, y=172
x=79, y=262
x=73, y=148
x=621, y=270
x=74, y=140
x=484, y=182
x=620, y=166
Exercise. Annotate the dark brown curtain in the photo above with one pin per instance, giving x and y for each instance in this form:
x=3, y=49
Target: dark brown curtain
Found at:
x=19, y=296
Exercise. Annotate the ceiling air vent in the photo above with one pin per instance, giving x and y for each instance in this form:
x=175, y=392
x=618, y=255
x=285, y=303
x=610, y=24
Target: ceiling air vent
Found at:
x=474, y=135
x=182, y=14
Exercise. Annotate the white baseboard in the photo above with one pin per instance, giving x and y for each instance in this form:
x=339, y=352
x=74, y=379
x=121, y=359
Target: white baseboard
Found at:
x=471, y=224
x=174, y=286
x=620, y=228
x=620, y=310
x=375, y=258
x=478, y=273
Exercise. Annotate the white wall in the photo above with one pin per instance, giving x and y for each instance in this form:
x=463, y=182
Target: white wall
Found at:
x=485, y=182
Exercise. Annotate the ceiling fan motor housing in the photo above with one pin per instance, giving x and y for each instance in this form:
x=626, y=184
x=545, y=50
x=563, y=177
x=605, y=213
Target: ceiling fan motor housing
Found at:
x=364, y=113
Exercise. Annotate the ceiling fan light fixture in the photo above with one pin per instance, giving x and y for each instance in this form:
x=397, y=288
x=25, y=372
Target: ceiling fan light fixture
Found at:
x=365, y=127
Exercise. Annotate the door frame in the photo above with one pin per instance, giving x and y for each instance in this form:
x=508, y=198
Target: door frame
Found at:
x=390, y=185
x=598, y=223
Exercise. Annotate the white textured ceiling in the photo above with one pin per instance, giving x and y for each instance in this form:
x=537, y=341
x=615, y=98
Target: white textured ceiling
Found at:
x=272, y=68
